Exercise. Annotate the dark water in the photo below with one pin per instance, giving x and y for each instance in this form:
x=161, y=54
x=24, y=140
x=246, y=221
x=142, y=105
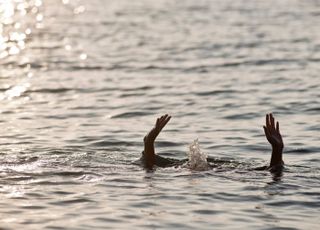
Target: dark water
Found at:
x=81, y=82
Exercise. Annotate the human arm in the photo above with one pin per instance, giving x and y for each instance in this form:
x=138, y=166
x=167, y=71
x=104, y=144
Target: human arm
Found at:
x=272, y=133
x=149, y=139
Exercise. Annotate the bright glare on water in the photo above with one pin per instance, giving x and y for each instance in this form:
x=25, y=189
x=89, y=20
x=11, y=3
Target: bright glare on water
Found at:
x=81, y=83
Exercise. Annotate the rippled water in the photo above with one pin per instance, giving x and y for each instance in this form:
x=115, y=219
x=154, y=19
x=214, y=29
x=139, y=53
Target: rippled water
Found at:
x=81, y=82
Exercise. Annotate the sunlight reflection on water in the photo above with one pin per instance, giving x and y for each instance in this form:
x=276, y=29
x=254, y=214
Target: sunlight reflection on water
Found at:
x=14, y=29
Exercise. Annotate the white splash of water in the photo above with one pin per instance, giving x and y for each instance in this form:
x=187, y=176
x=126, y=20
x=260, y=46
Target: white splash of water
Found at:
x=197, y=159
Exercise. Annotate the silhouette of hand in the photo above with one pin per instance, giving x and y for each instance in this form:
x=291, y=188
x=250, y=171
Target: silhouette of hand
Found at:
x=154, y=132
x=272, y=132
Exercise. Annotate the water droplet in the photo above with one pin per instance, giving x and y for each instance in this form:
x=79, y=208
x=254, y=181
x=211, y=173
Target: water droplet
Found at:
x=68, y=47
x=38, y=3
x=79, y=10
x=197, y=159
x=14, y=50
x=39, y=17
x=17, y=25
x=28, y=31
x=83, y=56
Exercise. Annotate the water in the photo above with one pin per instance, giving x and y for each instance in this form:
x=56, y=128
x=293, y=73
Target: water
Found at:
x=197, y=160
x=81, y=82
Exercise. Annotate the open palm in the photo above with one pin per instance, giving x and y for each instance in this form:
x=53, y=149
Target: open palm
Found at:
x=154, y=132
x=272, y=132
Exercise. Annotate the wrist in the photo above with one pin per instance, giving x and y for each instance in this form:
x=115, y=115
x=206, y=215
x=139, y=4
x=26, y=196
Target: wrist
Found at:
x=148, y=139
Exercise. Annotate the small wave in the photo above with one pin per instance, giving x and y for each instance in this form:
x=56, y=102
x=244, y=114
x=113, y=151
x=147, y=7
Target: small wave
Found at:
x=131, y=114
x=206, y=212
x=34, y=207
x=125, y=95
x=113, y=143
x=167, y=68
x=71, y=201
x=315, y=109
x=19, y=163
x=67, y=173
x=245, y=116
x=85, y=67
x=49, y=91
x=304, y=204
x=142, y=88
x=303, y=150
x=215, y=92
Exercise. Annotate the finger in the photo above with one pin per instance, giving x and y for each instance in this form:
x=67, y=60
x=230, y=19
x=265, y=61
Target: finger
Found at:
x=267, y=121
x=272, y=121
x=266, y=132
x=278, y=129
x=164, y=117
x=165, y=121
x=160, y=120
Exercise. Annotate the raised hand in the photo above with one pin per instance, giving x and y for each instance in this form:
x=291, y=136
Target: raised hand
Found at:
x=154, y=132
x=272, y=132
x=149, y=153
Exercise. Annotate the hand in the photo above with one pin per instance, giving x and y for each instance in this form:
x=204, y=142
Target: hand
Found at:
x=272, y=132
x=154, y=132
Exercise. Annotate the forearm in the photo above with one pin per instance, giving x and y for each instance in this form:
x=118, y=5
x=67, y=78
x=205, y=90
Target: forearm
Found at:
x=276, y=156
x=149, y=155
x=149, y=139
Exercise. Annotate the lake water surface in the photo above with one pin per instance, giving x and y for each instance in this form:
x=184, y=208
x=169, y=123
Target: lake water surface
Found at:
x=81, y=82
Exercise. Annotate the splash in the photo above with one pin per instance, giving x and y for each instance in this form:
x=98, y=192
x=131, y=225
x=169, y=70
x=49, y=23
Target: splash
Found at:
x=197, y=159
